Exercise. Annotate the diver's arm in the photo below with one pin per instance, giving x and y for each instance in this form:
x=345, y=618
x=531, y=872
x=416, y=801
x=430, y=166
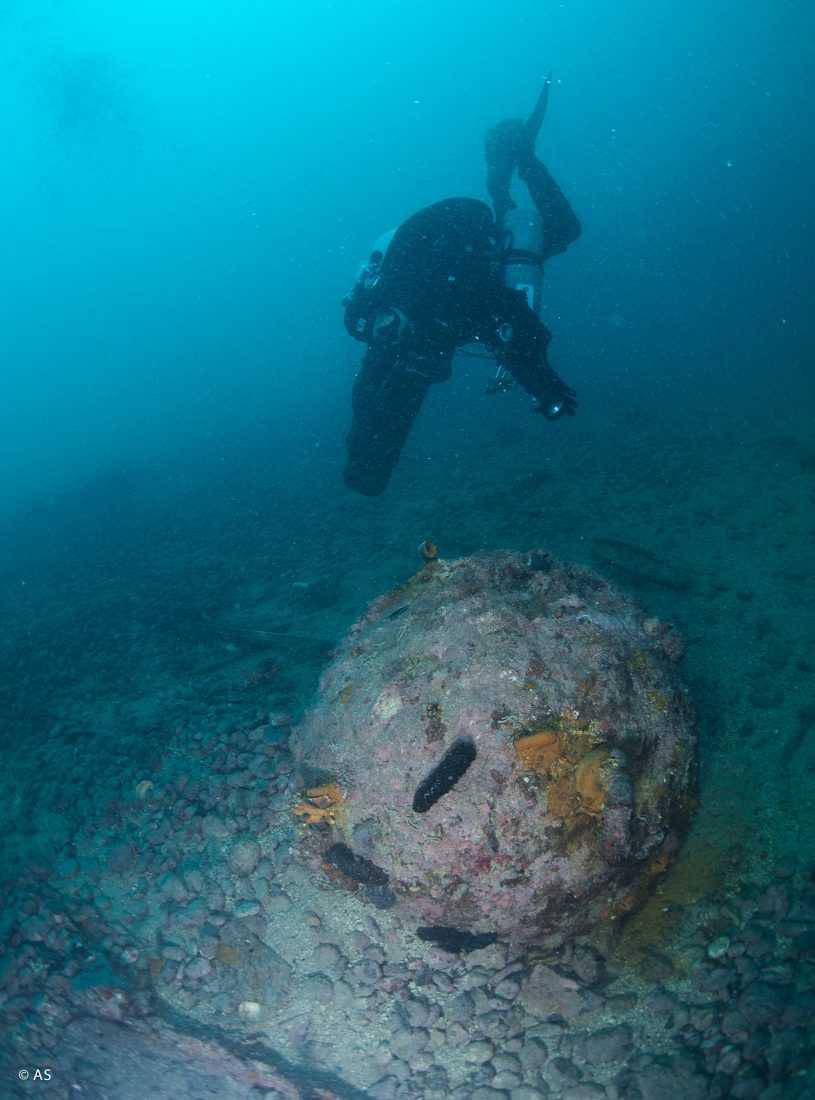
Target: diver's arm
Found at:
x=519, y=340
x=560, y=223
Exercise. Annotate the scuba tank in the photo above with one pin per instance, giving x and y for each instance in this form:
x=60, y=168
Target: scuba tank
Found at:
x=360, y=302
x=523, y=259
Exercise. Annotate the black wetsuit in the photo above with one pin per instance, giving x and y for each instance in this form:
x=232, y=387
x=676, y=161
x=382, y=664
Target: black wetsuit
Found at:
x=440, y=286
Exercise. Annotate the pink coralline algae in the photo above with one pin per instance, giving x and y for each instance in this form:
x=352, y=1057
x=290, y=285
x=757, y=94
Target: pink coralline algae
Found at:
x=514, y=748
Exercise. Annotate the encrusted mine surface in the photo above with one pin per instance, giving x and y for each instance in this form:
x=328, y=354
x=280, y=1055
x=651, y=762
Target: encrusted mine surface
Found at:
x=542, y=721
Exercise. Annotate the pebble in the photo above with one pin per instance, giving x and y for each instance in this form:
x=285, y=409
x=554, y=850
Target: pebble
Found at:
x=214, y=827
x=479, y=1051
x=328, y=957
x=317, y=988
x=199, y=968
x=277, y=902
x=407, y=1042
x=719, y=947
x=611, y=1044
x=533, y=1054
x=561, y=1073
x=508, y=989
x=246, y=909
x=416, y=1012
x=244, y=856
x=365, y=972
x=507, y=1080
x=249, y=1010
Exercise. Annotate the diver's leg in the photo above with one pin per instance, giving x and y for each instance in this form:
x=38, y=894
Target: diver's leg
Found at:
x=386, y=400
x=560, y=223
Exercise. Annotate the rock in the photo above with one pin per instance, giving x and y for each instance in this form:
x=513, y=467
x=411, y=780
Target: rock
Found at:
x=661, y=1080
x=747, y=1088
x=244, y=856
x=366, y=972
x=508, y=989
x=407, y=1042
x=587, y=965
x=561, y=1073
x=507, y=1063
x=506, y=1080
x=328, y=957
x=479, y=1051
x=584, y=1091
x=735, y=1027
x=198, y=969
x=317, y=989
x=214, y=827
x=384, y=1089
x=533, y=1054
x=611, y=1044
x=277, y=902
x=245, y=909
x=719, y=947
x=525, y=1092
x=461, y=1009
x=546, y=993
x=517, y=707
x=416, y=1012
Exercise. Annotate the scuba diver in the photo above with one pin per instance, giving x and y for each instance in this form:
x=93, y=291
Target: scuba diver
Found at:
x=455, y=274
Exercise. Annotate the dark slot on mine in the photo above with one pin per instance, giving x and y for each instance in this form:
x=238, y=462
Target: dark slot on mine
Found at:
x=445, y=775
x=356, y=867
x=455, y=940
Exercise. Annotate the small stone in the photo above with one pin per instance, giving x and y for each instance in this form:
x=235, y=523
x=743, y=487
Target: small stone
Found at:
x=533, y=1054
x=277, y=902
x=249, y=1010
x=611, y=1044
x=214, y=828
x=366, y=972
x=407, y=1042
x=246, y=909
x=244, y=856
x=506, y=1080
x=561, y=1073
x=328, y=957
x=198, y=969
x=479, y=1051
x=416, y=1012
x=719, y=947
x=586, y=1090
x=508, y=989
x=506, y=1063
x=317, y=989
x=194, y=881
x=384, y=1089
x=442, y=982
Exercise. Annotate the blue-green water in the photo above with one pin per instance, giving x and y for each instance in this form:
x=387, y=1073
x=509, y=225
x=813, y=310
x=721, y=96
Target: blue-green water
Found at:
x=188, y=192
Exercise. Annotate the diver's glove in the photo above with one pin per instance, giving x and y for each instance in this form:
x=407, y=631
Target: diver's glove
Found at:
x=556, y=399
